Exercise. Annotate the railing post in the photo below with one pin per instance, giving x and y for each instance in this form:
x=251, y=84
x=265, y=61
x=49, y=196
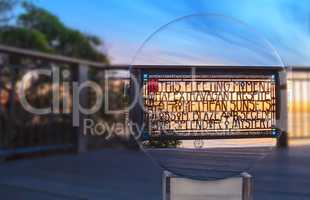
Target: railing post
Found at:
x=1, y=109
x=248, y=188
x=80, y=75
x=2, y=157
x=283, y=106
x=11, y=118
x=135, y=113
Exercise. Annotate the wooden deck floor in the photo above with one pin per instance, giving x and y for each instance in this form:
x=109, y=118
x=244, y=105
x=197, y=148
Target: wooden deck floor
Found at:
x=122, y=174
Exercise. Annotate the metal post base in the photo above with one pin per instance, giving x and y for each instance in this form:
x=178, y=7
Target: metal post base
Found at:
x=180, y=188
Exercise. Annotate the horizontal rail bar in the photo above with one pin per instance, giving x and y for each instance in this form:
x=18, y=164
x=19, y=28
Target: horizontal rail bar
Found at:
x=57, y=58
x=299, y=79
x=69, y=60
x=208, y=67
x=301, y=68
x=26, y=150
x=208, y=137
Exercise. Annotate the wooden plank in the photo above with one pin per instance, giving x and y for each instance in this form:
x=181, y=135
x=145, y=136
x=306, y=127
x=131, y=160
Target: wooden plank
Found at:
x=123, y=174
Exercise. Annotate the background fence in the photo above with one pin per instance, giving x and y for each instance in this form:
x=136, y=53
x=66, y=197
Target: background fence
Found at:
x=23, y=132
x=299, y=103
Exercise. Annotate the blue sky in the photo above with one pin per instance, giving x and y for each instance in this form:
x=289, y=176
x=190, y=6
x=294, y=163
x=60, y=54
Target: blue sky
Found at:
x=125, y=24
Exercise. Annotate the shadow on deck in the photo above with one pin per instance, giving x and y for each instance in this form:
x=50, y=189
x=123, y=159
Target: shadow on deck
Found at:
x=122, y=174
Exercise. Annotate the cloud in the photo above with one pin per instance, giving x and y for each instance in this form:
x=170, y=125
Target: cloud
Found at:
x=285, y=24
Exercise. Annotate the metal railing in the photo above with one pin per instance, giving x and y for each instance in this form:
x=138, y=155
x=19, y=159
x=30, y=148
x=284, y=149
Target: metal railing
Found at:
x=22, y=132
x=299, y=102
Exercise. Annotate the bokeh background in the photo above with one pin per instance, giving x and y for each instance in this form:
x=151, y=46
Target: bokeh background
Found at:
x=110, y=32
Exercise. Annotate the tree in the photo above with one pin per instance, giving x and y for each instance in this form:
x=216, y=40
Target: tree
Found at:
x=24, y=38
x=173, y=143
x=6, y=6
x=38, y=29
